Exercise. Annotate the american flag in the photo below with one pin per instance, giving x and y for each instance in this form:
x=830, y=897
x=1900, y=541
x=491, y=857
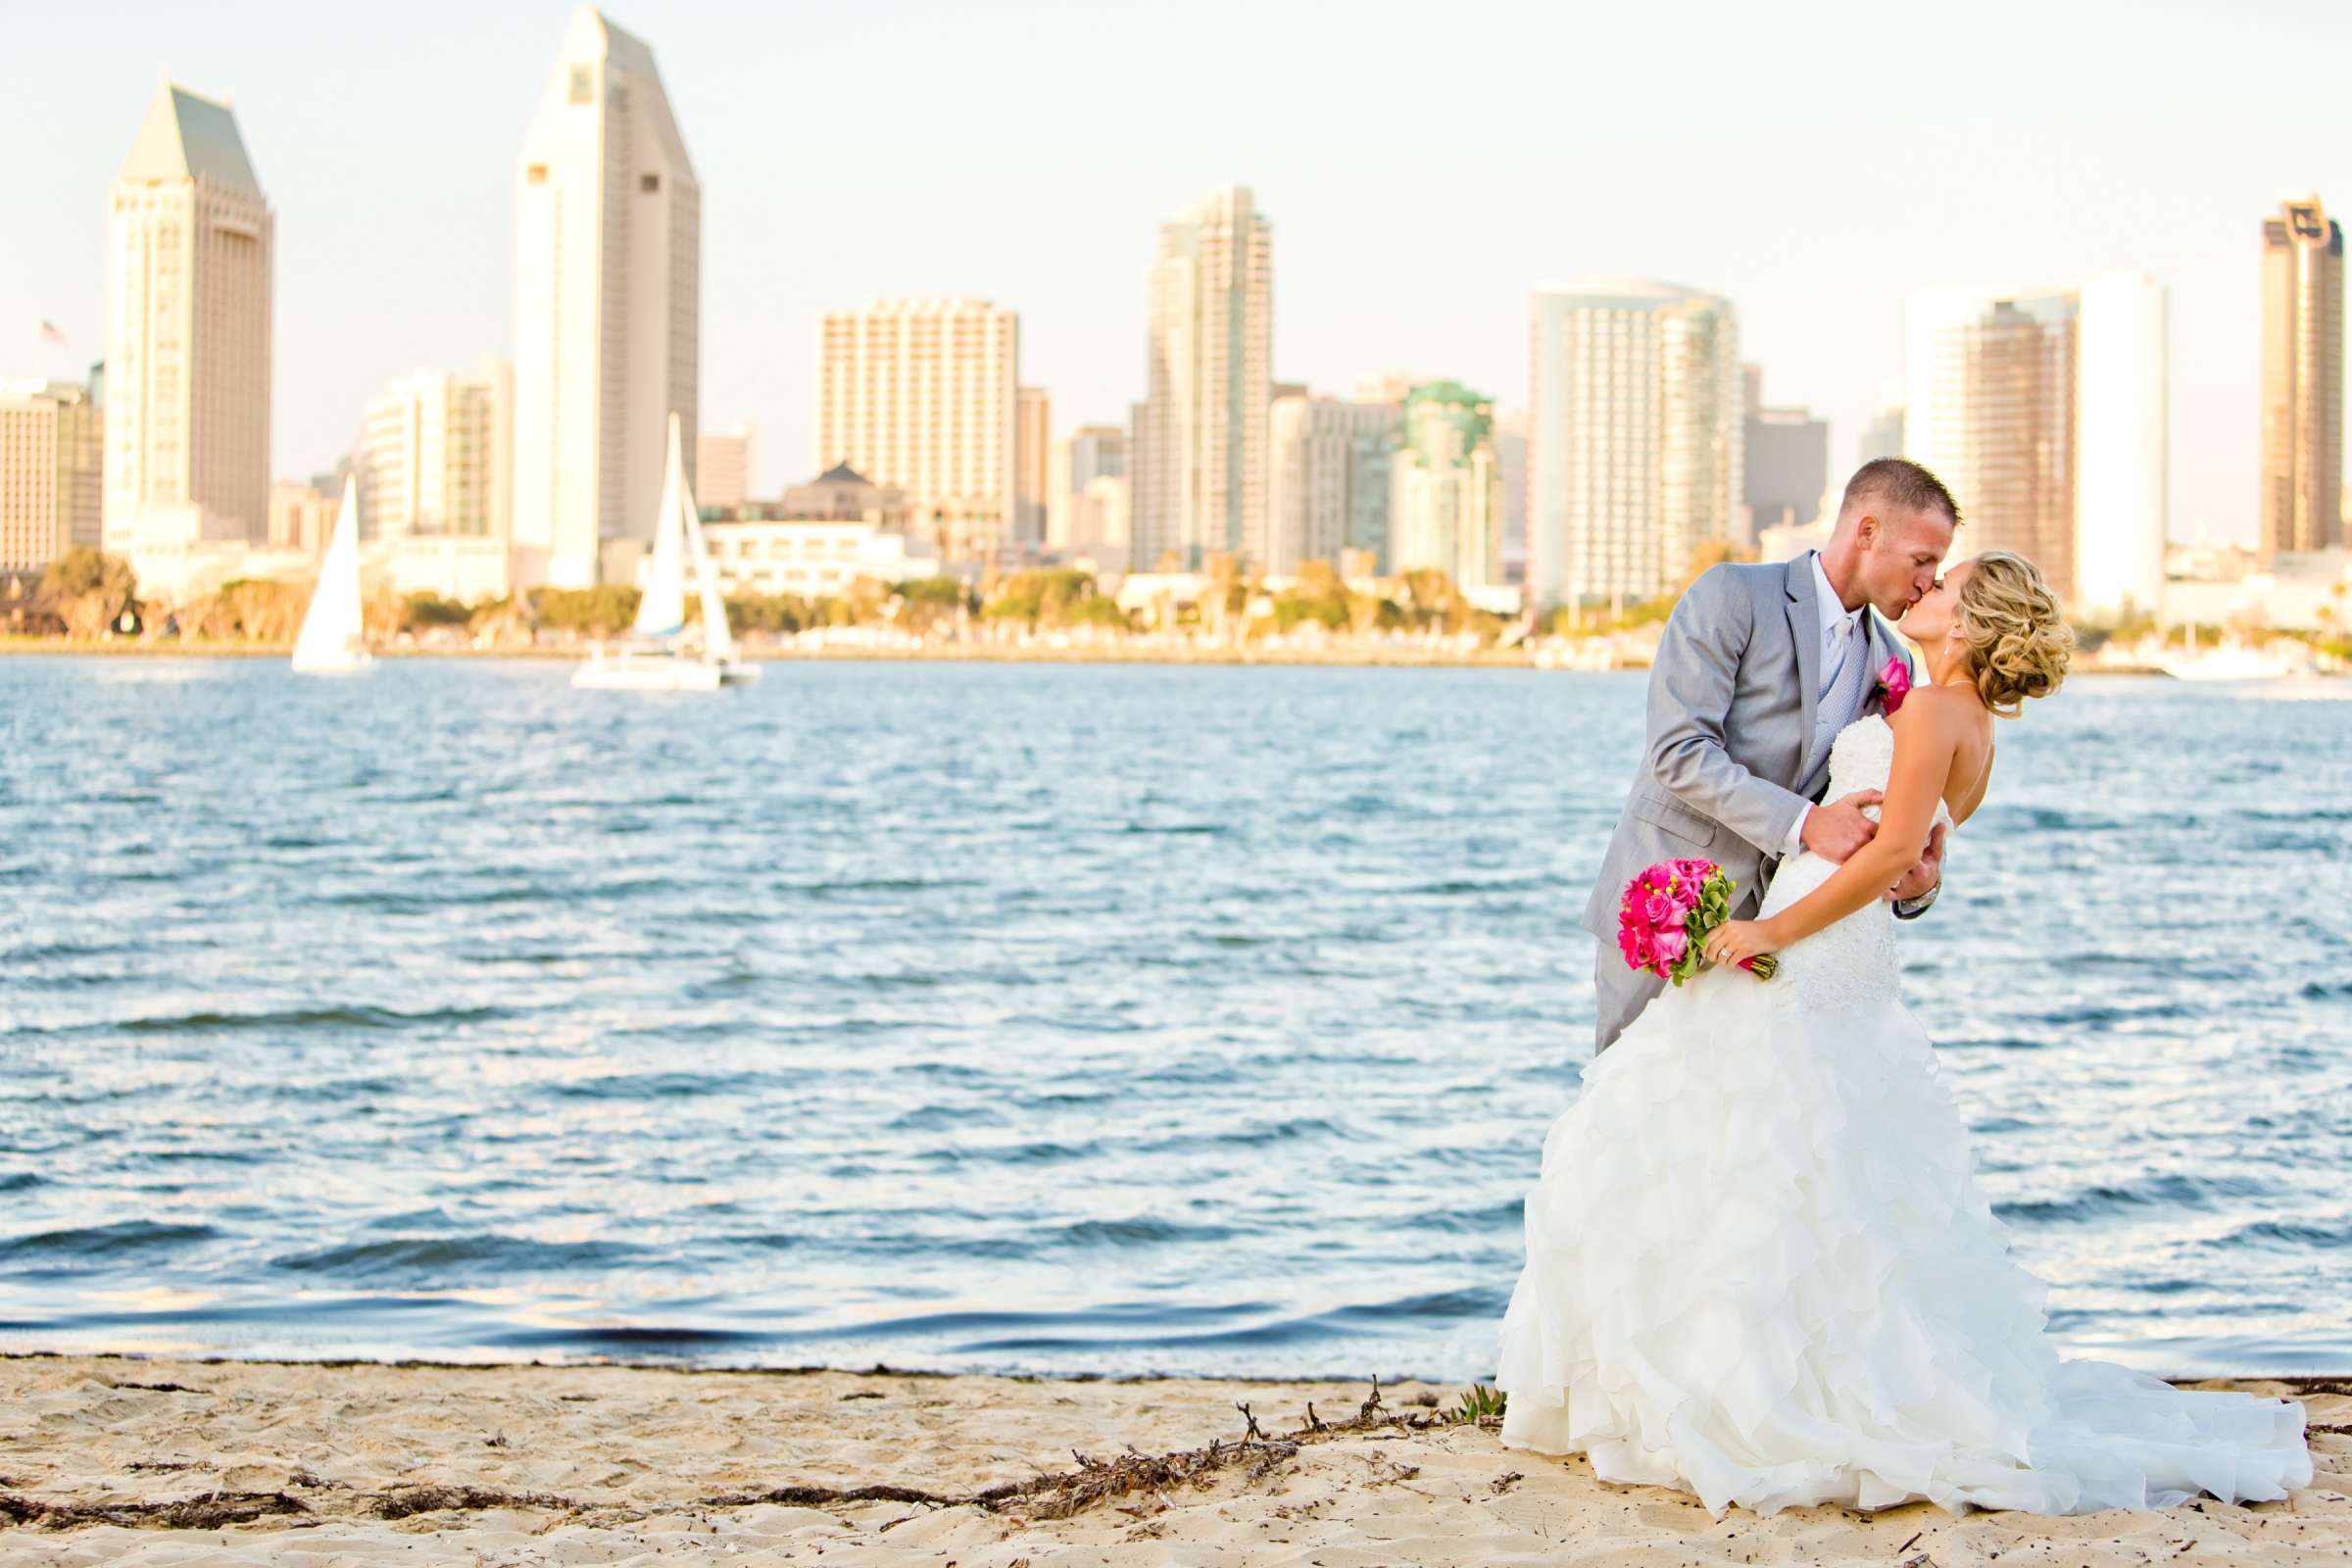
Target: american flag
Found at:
x=51, y=332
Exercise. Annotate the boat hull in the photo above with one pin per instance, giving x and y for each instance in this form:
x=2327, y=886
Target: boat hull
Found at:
x=352, y=663
x=628, y=673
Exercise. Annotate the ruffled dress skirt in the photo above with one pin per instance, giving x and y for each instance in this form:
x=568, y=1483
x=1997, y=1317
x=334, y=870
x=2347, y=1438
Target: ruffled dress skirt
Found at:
x=1759, y=1270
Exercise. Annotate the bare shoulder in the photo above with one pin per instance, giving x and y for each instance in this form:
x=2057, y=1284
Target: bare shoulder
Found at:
x=1934, y=716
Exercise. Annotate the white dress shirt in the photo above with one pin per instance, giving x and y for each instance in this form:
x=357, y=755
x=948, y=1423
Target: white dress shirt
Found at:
x=1842, y=639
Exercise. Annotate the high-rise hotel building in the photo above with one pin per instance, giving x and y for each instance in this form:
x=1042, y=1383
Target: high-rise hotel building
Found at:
x=1330, y=461
x=52, y=471
x=2044, y=411
x=1033, y=450
x=1198, y=460
x=2302, y=380
x=1634, y=432
x=189, y=265
x=608, y=307
x=433, y=456
x=1076, y=460
x=924, y=395
x=1446, y=505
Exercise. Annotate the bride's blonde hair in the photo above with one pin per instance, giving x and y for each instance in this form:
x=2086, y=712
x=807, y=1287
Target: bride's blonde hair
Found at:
x=2012, y=631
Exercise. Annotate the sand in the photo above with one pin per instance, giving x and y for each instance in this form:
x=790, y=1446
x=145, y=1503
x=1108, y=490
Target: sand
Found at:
x=106, y=1461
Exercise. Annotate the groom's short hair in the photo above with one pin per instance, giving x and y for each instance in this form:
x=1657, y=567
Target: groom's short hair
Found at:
x=1898, y=482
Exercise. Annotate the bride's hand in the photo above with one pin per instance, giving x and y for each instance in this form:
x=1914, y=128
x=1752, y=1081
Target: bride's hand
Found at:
x=1737, y=941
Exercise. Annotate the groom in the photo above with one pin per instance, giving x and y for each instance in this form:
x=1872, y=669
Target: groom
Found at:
x=1759, y=669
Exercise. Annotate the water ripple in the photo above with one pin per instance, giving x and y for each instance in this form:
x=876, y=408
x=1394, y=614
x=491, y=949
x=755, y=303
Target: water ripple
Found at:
x=1047, y=1019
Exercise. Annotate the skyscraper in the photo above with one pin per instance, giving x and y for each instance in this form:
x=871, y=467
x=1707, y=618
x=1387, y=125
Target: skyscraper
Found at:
x=2045, y=411
x=1032, y=420
x=1330, y=461
x=1785, y=462
x=189, y=268
x=608, y=307
x=1199, y=474
x=1700, y=404
x=433, y=457
x=1510, y=454
x=726, y=467
x=924, y=394
x=1633, y=427
x=52, y=471
x=1883, y=433
x=1088, y=453
x=2302, y=379
x=1990, y=409
x=2124, y=412
x=1446, y=505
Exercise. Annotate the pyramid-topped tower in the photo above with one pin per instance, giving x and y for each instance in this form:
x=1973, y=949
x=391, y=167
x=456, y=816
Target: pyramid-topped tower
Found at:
x=190, y=270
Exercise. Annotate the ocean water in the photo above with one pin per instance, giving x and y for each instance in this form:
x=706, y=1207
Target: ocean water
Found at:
x=1047, y=1017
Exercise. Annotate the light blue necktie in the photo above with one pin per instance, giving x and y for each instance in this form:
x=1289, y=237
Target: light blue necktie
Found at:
x=1842, y=701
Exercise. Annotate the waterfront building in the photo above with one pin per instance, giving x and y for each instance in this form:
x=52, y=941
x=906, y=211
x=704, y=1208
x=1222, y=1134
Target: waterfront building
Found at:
x=1634, y=432
x=923, y=395
x=608, y=310
x=190, y=263
x=52, y=472
x=1199, y=470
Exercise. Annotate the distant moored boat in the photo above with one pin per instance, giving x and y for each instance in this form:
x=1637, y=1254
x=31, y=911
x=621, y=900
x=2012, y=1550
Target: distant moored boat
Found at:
x=651, y=657
x=332, y=639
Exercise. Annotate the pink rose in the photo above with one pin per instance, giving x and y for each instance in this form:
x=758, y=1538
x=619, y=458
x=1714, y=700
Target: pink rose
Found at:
x=1670, y=946
x=1896, y=678
x=1659, y=909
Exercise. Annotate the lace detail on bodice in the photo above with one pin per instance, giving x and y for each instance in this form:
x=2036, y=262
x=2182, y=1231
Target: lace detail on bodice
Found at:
x=1854, y=960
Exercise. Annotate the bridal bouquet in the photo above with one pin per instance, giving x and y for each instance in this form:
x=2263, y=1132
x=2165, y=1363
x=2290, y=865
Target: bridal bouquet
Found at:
x=1667, y=913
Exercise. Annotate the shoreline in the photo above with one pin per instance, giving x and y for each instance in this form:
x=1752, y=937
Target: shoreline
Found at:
x=153, y=1458
x=2312, y=1381
x=943, y=654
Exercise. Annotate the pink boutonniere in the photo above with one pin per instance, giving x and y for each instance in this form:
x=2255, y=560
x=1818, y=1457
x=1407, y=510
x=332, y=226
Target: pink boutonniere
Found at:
x=1895, y=680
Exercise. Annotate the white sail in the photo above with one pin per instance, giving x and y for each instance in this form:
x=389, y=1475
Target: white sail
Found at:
x=718, y=639
x=662, y=611
x=330, y=639
x=678, y=547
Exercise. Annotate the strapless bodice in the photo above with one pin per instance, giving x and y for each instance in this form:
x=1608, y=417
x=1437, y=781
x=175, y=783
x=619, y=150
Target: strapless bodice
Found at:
x=1855, y=959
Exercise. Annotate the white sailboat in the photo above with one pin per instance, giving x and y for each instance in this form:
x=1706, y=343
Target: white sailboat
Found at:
x=652, y=657
x=332, y=641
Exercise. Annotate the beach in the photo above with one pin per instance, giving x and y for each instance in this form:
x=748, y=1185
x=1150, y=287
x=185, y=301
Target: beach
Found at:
x=112, y=1459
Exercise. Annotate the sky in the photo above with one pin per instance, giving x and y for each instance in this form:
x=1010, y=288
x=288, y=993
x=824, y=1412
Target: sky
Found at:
x=1425, y=169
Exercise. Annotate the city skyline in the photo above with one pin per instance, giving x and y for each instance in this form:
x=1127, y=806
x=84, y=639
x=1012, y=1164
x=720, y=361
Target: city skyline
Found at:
x=1831, y=212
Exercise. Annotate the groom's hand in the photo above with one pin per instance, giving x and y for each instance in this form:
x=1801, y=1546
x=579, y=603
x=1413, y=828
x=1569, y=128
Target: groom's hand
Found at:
x=1924, y=875
x=1837, y=829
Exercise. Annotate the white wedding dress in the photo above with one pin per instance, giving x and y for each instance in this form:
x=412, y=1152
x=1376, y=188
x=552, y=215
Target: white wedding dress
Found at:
x=1759, y=1268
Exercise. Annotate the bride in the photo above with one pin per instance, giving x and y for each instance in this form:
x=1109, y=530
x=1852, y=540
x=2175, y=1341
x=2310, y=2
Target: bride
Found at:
x=1759, y=1268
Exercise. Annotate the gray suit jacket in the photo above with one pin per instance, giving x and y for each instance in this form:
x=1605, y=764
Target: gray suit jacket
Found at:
x=1732, y=700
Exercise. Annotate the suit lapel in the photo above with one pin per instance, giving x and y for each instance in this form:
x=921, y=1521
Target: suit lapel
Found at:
x=1804, y=629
